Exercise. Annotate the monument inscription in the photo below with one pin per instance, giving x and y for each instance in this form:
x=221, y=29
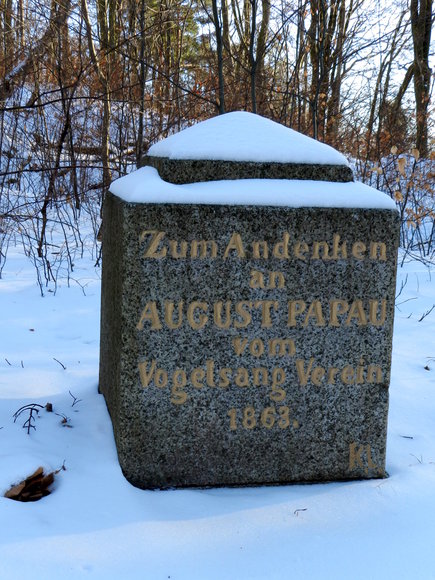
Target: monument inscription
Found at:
x=253, y=344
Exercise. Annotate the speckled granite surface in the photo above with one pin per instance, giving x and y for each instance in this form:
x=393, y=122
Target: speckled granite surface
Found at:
x=193, y=170
x=259, y=354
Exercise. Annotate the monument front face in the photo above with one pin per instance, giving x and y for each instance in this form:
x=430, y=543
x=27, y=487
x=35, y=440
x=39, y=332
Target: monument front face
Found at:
x=247, y=345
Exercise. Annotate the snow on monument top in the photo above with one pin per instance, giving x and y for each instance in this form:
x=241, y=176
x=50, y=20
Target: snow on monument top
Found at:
x=146, y=186
x=242, y=136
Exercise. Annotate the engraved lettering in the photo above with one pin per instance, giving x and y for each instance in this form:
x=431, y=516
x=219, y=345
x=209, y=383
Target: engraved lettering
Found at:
x=146, y=376
x=300, y=249
x=358, y=250
x=257, y=279
x=374, y=374
x=357, y=454
x=235, y=244
x=280, y=249
x=337, y=307
x=199, y=249
x=337, y=250
x=260, y=249
x=160, y=378
x=266, y=305
x=256, y=347
x=225, y=377
x=278, y=377
x=149, y=313
x=317, y=376
x=249, y=421
x=332, y=373
x=169, y=315
x=239, y=345
x=360, y=372
x=156, y=238
x=315, y=311
x=158, y=247
x=242, y=309
x=317, y=246
x=373, y=312
x=256, y=372
x=197, y=377
x=282, y=347
x=302, y=374
x=173, y=248
x=209, y=365
x=348, y=375
x=276, y=280
x=242, y=377
x=178, y=395
x=378, y=251
x=218, y=314
x=357, y=311
x=196, y=320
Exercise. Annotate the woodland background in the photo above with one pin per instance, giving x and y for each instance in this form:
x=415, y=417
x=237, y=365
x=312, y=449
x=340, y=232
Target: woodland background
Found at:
x=87, y=86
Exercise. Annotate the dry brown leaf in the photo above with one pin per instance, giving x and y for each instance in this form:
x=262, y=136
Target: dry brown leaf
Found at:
x=415, y=153
x=33, y=487
x=401, y=164
x=47, y=480
x=394, y=150
x=37, y=473
x=15, y=491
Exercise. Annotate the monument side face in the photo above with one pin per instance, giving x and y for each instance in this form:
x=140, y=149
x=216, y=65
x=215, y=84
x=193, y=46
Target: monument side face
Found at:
x=247, y=345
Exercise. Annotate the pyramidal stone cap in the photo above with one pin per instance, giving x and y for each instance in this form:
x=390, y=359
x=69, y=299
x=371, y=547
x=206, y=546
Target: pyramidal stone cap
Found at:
x=242, y=145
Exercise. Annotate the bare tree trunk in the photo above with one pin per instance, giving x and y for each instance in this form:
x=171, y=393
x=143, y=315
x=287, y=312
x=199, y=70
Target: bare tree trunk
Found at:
x=140, y=137
x=22, y=69
x=219, y=51
x=105, y=128
x=421, y=25
x=261, y=48
x=252, y=56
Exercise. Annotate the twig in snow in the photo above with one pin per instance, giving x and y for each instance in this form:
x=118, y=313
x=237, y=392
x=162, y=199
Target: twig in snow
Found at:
x=8, y=362
x=61, y=364
x=402, y=286
x=75, y=399
x=404, y=302
x=31, y=409
x=65, y=420
x=423, y=316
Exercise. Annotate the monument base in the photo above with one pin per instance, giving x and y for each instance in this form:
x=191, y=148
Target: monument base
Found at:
x=247, y=345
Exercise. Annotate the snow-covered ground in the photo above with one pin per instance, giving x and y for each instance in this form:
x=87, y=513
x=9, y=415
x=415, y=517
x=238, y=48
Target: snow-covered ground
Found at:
x=96, y=525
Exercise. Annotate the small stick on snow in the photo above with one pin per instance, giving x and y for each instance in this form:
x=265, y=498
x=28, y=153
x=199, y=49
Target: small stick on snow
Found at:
x=75, y=399
x=62, y=365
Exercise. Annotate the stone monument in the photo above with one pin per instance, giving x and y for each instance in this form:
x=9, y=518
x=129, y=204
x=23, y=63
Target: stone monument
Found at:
x=247, y=311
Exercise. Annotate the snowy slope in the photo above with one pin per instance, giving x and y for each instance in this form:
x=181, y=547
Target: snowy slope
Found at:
x=95, y=525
